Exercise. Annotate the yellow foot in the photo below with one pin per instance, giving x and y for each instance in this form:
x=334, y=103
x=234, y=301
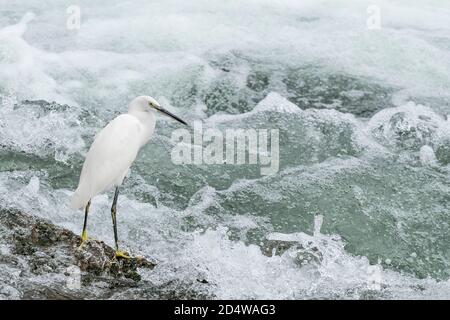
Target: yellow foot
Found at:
x=121, y=255
x=84, y=238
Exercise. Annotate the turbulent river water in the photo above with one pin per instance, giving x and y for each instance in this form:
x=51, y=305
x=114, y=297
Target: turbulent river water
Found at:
x=360, y=206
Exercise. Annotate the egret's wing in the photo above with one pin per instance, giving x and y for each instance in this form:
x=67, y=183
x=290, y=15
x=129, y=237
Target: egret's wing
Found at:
x=111, y=154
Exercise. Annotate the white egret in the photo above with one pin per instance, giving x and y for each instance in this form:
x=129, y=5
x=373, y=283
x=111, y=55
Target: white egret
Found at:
x=111, y=154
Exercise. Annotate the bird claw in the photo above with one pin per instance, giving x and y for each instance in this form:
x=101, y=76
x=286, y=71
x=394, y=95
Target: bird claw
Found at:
x=84, y=239
x=121, y=255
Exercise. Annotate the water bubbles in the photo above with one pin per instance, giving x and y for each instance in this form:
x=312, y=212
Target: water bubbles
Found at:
x=427, y=156
x=45, y=129
x=318, y=220
x=408, y=127
x=32, y=188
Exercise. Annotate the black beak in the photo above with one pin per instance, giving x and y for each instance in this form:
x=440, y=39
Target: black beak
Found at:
x=170, y=114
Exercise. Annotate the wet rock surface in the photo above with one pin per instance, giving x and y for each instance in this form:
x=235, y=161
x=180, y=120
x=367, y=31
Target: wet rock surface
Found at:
x=39, y=260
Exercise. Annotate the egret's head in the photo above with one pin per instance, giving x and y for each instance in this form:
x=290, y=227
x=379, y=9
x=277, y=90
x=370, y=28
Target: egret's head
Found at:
x=149, y=104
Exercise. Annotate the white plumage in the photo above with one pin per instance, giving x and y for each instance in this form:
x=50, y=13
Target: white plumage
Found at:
x=109, y=158
x=115, y=148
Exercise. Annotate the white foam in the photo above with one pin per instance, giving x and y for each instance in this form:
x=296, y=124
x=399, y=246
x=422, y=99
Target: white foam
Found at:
x=273, y=102
x=119, y=51
x=408, y=126
x=427, y=156
x=28, y=129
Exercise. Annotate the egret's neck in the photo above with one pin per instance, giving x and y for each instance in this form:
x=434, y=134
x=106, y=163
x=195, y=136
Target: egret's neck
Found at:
x=148, y=121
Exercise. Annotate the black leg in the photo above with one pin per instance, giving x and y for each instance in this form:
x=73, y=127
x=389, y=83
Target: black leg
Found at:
x=119, y=254
x=86, y=211
x=113, y=215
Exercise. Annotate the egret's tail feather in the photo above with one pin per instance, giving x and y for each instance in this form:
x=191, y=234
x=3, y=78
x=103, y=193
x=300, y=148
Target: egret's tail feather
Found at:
x=78, y=201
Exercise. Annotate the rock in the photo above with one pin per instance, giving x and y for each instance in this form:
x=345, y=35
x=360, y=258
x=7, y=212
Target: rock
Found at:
x=303, y=248
x=39, y=260
x=37, y=253
x=45, y=105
